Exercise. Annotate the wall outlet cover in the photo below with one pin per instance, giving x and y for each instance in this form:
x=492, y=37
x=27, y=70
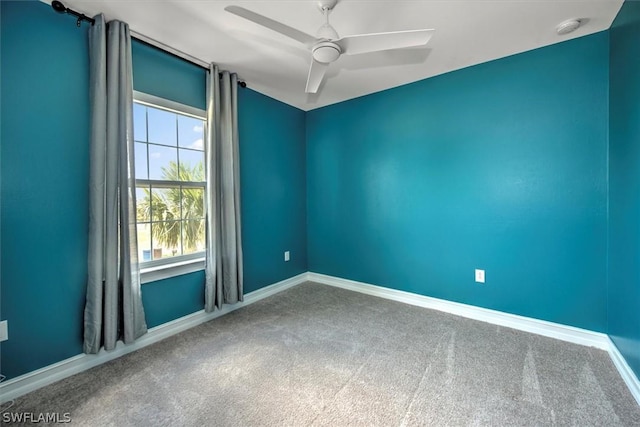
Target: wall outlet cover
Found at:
x=4, y=330
x=479, y=276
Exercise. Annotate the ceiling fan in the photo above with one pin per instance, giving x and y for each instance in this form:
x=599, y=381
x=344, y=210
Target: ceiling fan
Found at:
x=327, y=46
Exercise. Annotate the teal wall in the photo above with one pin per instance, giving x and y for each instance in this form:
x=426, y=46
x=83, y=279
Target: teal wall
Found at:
x=44, y=174
x=501, y=166
x=624, y=184
x=172, y=298
x=274, y=191
x=167, y=76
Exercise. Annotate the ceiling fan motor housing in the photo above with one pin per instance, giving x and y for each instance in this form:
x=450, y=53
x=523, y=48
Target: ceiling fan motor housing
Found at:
x=327, y=4
x=326, y=52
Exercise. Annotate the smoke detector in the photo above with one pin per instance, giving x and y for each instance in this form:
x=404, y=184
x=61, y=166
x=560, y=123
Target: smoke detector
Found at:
x=568, y=26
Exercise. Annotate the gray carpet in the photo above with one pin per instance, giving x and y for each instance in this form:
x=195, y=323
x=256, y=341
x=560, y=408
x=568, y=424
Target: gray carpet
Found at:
x=317, y=355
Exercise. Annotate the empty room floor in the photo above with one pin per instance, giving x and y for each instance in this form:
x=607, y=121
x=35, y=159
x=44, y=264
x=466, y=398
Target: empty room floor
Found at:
x=319, y=355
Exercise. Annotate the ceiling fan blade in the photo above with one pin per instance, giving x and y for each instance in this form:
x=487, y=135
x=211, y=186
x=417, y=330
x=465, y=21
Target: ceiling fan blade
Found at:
x=365, y=43
x=269, y=23
x=316, y=73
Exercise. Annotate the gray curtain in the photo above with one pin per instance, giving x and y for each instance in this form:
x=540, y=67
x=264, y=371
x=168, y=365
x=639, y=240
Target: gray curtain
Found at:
x=223, y=271
x=113, y=308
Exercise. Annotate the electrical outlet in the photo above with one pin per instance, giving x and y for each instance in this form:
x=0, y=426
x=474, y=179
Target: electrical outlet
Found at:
x=479, y=276
x=287, y=257
x=4, y=330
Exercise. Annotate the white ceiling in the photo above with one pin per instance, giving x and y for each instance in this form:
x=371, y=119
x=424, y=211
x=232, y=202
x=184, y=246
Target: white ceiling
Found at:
x=467, y=32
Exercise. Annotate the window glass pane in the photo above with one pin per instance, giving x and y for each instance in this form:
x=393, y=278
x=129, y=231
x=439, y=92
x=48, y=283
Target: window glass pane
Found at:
x=193, y=203
x=162, y=127
x=169, y=151
x=139, y=122
x=144, y=242
x=193, y=235
x=166, y=239
x=190, y=133
x=143, y=204
x=163, y=163
x=191, y=165
x=141, y=161
x=166, y=204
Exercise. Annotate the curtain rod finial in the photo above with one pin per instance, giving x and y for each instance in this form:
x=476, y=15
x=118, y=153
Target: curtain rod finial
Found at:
x=58, y=6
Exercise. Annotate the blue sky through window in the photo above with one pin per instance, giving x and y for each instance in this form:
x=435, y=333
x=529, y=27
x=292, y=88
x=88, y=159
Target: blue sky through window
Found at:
x=161, y=133
x=162, y=127
x=190, y=133
x=139, y=122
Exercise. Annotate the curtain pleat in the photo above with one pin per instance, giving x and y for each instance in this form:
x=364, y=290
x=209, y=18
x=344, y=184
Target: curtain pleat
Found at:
x=224, y=269
x=113, y=309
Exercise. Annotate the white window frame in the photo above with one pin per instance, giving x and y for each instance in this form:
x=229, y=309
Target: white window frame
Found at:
x=152, y=271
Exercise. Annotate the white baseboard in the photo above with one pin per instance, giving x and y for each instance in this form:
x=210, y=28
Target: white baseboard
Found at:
x=527, y=324
x=625, y=371
x=49, y=374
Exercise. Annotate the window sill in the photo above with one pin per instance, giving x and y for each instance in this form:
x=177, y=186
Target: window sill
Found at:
x=152, y=274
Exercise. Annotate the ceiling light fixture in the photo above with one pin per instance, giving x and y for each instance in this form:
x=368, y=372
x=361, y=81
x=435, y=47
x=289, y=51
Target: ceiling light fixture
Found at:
x=568, y=26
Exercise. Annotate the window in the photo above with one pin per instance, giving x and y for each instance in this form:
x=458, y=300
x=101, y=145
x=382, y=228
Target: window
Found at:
x=170, y=183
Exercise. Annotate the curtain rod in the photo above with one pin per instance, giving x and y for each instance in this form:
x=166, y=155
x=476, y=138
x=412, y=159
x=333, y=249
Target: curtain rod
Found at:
x=175, y=52
x=169, y=49
x=60, y=8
